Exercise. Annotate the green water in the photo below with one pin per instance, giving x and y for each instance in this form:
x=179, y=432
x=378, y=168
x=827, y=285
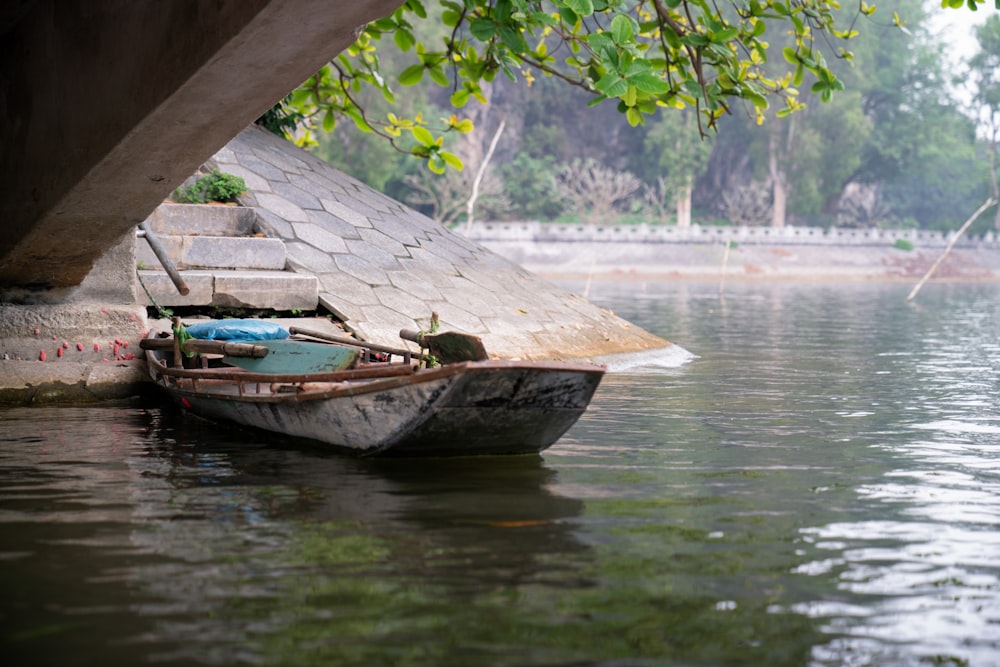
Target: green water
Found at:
x=819, y=486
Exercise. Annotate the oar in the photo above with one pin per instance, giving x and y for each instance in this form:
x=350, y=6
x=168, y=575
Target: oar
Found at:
x=197, y=345
x=343, y=340
x=449, y=347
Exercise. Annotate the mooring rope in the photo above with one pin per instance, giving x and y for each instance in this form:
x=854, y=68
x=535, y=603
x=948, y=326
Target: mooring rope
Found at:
x=160, y=310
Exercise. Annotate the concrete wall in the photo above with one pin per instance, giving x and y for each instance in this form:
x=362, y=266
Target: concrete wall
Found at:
x=107, y=105
x=755, y=253
x=549, y=232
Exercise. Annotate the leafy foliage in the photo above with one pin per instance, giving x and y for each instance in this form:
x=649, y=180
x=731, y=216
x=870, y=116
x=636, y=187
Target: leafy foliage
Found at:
x=215, y=186
x=531, y=186
x=895, y=130
x=642, y=55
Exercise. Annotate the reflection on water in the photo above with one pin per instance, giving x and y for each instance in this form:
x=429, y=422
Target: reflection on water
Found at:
x=819, y=485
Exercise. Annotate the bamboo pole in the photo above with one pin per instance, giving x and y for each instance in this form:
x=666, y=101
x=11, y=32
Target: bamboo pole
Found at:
x=961, y=230
x=164, y=257
x=725, y=262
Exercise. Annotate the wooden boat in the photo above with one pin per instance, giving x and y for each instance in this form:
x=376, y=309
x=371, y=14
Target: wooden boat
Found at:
x=392, y=409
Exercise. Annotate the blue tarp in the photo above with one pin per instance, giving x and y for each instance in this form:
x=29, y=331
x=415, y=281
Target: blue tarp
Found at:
x=237, y=330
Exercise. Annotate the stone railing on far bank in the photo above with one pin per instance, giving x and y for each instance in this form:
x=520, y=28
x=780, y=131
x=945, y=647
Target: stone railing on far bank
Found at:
x=549, y=232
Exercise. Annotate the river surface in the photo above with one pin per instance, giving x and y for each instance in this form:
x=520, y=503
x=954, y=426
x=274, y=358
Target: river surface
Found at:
x=819, y=485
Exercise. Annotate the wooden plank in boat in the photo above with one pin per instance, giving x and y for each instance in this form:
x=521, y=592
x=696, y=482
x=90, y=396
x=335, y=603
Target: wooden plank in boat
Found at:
x=293, y=356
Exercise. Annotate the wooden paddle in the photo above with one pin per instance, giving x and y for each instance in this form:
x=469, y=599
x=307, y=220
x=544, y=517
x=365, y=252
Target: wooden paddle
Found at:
x=343, y=340
x=199, y=346
x=449, y=347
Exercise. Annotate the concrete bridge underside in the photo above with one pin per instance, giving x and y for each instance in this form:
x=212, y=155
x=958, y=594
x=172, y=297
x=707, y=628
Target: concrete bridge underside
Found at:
x=107, y=105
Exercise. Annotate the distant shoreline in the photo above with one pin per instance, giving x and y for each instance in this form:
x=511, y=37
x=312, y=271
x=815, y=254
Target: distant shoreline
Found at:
x=781, y=254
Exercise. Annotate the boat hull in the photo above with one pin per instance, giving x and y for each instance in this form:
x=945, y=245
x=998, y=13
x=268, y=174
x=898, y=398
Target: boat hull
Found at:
x=472, y=408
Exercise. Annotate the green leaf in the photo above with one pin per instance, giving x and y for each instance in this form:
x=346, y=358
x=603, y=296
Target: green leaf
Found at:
x=649, y=83
x=417, y=8
x=438, y=75
x=451, y=160
x=403, y=39
x=634, y=117
x=727, y=35
x=423, y=136
x=299, y=95
x=513, y=39
x=695, y=39
x=612, y=85
x=673, y=41
x=329, y=121
x=411, y=75
x=581, y=8
x=483, y=29
x=757, y=100
x=630, y=96
x=460, y=97
x=622, y=29
x=436, y=163
x=568, y=16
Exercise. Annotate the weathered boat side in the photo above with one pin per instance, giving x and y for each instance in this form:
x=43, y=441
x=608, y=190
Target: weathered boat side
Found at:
x=487, y=407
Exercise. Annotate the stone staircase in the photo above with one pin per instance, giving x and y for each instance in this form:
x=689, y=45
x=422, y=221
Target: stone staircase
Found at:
x=224, y=260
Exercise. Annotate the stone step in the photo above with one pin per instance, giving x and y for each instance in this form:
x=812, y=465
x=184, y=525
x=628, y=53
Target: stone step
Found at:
x=215, y=252
x=276, y=290
x=203, y=220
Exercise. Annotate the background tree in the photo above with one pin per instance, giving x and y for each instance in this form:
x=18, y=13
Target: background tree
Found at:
x=677, y=153
x=986, y=80
x=893, y=145
x=640, y=54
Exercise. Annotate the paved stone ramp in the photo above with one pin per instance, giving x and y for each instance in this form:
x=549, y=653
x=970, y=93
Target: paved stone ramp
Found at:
x=383, y=267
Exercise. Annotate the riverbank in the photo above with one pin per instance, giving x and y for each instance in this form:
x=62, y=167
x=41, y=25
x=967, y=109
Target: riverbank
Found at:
x=650, y=252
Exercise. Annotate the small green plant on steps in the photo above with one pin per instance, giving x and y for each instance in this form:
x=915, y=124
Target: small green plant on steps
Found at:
x=216, y=186
x=903, y=244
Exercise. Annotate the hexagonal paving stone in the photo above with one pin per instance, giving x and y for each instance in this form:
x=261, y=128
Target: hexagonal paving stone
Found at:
x=297, y=196
x=361, y=269
x=421, y=258
x=317, y=188
x=456, y=318
x=345, y=213
x=386, y=319
x=373, y=255
x=342, y=287
x=398, y=231
x=414, y=284
x=273, y=225
x=473, y=300
x=383, y=241
x=304, y=256
x=260, y=167
x=425, y=274
x=325, y=180
x=334, y=225
x=401, y=302
x=281, y=207
x=319, y=238
x=282, y=159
